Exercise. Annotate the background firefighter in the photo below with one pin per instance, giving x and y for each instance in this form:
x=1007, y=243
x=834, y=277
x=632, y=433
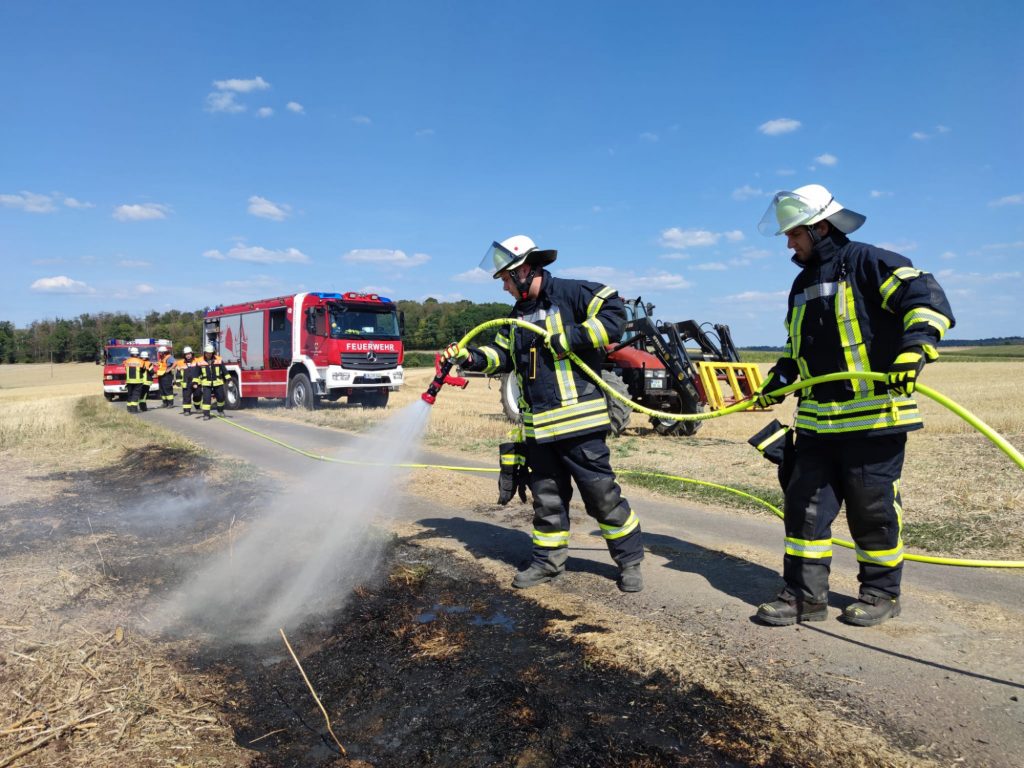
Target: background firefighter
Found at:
x=134, y=379
x=163, y=373
x=853, y=307
x=147, y=380
x=212, y=374
x=565, y=417
x=188, y=380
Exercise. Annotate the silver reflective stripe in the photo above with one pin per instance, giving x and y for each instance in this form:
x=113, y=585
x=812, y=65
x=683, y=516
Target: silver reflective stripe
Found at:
x=812, y=292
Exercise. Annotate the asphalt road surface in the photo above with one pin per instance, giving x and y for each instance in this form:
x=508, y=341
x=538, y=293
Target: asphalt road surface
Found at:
x=947, y=675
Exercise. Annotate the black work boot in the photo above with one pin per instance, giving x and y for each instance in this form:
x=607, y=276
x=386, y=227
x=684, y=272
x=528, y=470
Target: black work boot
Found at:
x=542, y=570
x=133, y=409
x=206, y=417
x=788, y=609
x=870, y=610
x=630, y=578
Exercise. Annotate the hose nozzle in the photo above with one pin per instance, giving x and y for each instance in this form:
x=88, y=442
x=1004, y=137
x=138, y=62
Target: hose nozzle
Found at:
x=441, y=377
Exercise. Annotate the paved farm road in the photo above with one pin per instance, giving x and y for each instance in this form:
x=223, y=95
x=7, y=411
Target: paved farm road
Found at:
x=948, y=675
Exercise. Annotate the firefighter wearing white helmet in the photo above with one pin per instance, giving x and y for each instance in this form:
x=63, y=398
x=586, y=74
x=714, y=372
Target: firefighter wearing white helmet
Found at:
x=187, y=374
x=163, y=373
x=147, y=380
x=212, y=375
x=853, y=307
x=134, y=378
x=565, y=417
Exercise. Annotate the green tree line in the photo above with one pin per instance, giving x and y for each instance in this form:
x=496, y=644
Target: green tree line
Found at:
x=429, y=325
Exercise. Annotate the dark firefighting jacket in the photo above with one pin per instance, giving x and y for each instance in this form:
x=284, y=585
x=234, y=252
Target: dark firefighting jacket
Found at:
x=212, y=372
x=856, y=308
x=187, y=372
x=556, y=399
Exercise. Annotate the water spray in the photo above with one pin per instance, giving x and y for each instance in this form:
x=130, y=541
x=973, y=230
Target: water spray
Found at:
x=442, y=377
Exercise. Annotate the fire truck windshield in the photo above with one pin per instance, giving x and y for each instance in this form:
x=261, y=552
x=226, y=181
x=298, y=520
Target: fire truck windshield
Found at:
x=117, y=355
x=349, y=320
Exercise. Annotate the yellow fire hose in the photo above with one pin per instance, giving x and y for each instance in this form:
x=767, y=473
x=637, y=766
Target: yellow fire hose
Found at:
x=960, y=411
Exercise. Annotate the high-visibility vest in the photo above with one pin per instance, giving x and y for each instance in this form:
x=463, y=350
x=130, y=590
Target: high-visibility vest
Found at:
x=133, y=370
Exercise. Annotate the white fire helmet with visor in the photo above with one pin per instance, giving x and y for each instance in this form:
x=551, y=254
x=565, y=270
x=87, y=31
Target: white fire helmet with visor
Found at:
x=187, y=351
x=145, y=354
x=134, y=351
x=512, y=252
x=208, y=349
x=805, y=206
x=161, y=348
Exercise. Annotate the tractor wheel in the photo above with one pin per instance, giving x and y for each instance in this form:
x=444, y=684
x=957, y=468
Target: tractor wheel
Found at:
x=300, y=393
x=673, y=427
x=618, y=412
x=510, y=397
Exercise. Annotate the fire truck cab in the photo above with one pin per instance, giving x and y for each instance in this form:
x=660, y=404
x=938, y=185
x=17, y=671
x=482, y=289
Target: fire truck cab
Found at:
x=309, y=347
x=115, y=352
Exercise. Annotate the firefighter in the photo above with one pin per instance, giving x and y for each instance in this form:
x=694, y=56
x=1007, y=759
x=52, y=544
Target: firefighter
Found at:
x=852, y=307
x=147, y=380
x=212, y=375
x=187, y=370
x=164, y=375
x=134, y=375
x=565, y=417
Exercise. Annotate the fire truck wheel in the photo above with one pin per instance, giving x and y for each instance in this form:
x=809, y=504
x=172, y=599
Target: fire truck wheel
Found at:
x=110, y=396
x=300, y=393
x=376, y=399
x=232, y=401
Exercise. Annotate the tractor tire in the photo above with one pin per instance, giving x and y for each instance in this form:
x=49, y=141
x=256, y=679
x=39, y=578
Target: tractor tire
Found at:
x=618, y=412
x=510, y=398
x=300, y=393
x=672, y=427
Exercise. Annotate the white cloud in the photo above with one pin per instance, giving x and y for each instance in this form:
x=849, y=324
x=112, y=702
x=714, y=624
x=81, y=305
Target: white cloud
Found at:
x=649, y=137
x=361, y=120
x=826, y=159
x=779, y=126
x=241, y=86
x=258, y=255
x=758, y=296
x=904, y=247
x=30, y=202
x=475, y=275
x=294, y=106
x=924, y=135
x=1008, y=200
x=711, y=266
x=674, y=237
x=947, y=256
x=266, y=209
x=1003, y=246
x=786, y=172
x=144, y=288
x=880, y=193
x=627, y=281
x=380, y=290
x=223, y=101
x=920, y=136
x=141, y=212
x=71, y=202
x=385, y=256
x=133, y=263
x=264, y=112
x=60, y=284
x=746, y=192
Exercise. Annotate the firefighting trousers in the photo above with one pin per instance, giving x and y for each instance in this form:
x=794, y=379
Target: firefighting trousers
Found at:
x=211, y=391
x=863, y=472
x=586, y=459
x=191, y=395
x=166, y=383
x=135, y=392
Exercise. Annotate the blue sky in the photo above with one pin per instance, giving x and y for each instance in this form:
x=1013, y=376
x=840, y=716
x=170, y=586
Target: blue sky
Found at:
x=181, y=155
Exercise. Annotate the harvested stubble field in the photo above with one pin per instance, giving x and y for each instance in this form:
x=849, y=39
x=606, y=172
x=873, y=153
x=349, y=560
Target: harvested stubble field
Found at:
x=424, y=649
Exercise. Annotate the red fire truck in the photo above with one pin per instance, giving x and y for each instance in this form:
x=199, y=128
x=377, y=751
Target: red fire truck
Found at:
x=309, y=346
x=114, y=353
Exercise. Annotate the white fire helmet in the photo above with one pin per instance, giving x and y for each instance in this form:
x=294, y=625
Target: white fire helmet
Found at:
x=187, y=351
x=144, y=355
x=161, y=348
x=510, y=253
x=133, y=350
x=208, y=348
x=805, y=206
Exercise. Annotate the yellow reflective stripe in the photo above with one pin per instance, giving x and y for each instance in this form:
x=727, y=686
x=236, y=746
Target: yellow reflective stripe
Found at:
x=813, y=549
x=550, y=540
x=796, y=319
x=854, y=350
x=930, y=352
x=892, y=283
x=493, y=360
x=563, y=368
x=611, y=532
x=501, y=341
x=857, y=415
x=761, y=446
x=569, y=411
x=598, y=301
x=886, y=557
x=597, y=332
x=936, y=320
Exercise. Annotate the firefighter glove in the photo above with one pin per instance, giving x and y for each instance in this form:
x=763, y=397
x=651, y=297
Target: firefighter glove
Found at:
x=776, y=379
x=902, y=376
x=455, y=353
x=512, y=478
x=558, y=343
